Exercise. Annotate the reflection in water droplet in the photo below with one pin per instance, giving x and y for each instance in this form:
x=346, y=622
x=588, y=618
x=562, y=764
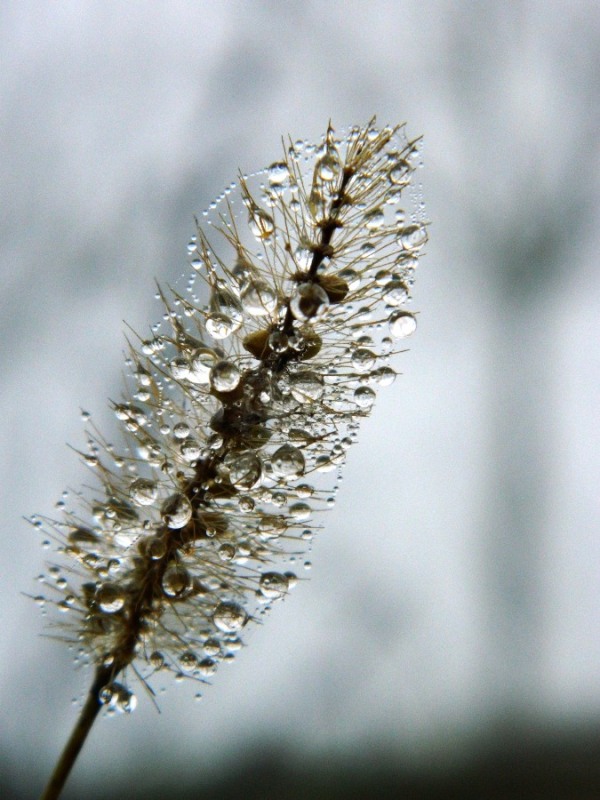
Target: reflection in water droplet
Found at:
x=176, y=581
x=412, y=237
x=258, y=298
x=306, y=386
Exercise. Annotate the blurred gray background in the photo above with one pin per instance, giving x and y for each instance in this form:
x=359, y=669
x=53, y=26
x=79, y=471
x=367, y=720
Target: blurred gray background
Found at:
x=453, y=608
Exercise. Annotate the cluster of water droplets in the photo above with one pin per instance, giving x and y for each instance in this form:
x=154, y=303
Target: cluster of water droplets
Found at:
x=242, y=407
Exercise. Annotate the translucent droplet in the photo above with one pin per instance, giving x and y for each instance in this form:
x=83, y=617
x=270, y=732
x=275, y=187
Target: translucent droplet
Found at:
x=176, y=511
x=143, y=492
x=207, y=667
x=176, y=581
x=399, y=174
x=110, y=598
x=118, y=698
x=180, y=368
x=363, y=359
x=156, y=659
x=156, y=547
x=188, y=661
x=261, y=224
x=273, y=585
x=230, y=617
x=300, y=511
x=258, y=298
x=245, y=469
x=328, y=167
x=309, y=301
x=374, y=219
x=412, y=237
x=287, y=462
x=212, y=647
x=278, y=173
x=364, y=397
x=202, y=361
x=306, y=386
x=396, y=293
x=181, y=430
x=402, y=324
x=190, y=450
x=227, y=552
x=384, y=376
x=224, y=376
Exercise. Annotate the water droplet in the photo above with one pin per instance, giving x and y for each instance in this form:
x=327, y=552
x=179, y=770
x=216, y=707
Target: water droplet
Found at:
x=245, y=470
x=176, y=581
x=143, y=492
x=395, y=293
x=212, y=647
x=364, y=397
x=181, y=430
x=402, y=324
x=384, y=376
x=261, y=224
x=300, y=511
x=188, y=661
x=363, y=359
x=374, y=219
x=399, y=174
x=224, y=376
x=309, y=301
x=273, y=585
x=412, y=237
x=190, y=450
x=176, y=511
x=230, y=617
x=306, y=386
x=207, y=667
x=328, y=167
x=278, y=173
x=287, y=462
x=201, y=363
x=157, y=660
x=258, y=298
x=110, y=598
x=226, y=552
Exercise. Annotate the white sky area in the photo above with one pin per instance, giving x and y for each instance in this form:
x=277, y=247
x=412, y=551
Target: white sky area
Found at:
x=457, y=580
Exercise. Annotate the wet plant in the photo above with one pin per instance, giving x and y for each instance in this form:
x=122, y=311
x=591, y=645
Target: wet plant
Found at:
x=237, y=418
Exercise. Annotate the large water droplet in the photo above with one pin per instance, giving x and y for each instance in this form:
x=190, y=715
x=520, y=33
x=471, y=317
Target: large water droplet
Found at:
x=258, y=298
x=110, y=598
x=176, y=511
x=374, y=219
x=402, y=324
x=306, y=386
x=364, y=397
x=278, y=173
x=230, y=617
x=202, y=362
x=412, y=237
x=245, y=469
x=143, y=492
x=224, y=376
x=273, y=585
x=176, y=581
x=309, y=301
x=363, y=359
x=395, y=293
x=261, y=224
x=287, y=462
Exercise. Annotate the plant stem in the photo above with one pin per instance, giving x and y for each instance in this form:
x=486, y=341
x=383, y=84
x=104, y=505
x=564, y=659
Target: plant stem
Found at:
x=78, y=736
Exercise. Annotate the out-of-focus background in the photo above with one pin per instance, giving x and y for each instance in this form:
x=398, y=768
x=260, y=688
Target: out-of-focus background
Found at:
x=449, y=637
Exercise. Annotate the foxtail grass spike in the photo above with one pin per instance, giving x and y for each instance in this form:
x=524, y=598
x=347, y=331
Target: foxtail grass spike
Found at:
x=237, y=418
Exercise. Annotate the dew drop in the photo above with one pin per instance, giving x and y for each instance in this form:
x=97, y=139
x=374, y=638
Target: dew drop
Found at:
x=363, y=359
x=110, y=598
x=273, y=585
x=306, y=386
x=395, y=293
x=364, y=397
x=309, y=301
x=176, y=511
x=412, y=237
x=224, y=376
x=374, y=219
x=176, y=581
x=230, y=617
x=202, y=361
x=245, y=470
x=278, y=173
x=261, y=224
x=287, y=462
x=143, y=492
x=402, y=324
x=258, y=298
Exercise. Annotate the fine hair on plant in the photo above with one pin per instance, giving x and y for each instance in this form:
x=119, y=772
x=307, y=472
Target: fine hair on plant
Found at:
x=237, y=417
